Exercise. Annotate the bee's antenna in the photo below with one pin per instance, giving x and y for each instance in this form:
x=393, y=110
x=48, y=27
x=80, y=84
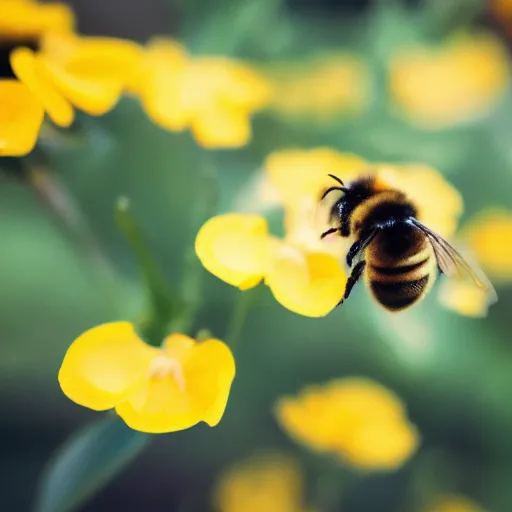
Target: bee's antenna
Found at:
x=337, y=179
x=331, y=189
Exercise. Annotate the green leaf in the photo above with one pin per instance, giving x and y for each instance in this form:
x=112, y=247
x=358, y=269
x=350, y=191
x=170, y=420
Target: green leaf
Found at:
x=87, y=462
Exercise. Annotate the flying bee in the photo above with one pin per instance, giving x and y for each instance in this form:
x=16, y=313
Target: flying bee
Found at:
x=397, y=255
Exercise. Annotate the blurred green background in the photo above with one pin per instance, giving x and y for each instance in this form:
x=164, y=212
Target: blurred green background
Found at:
x=454, y=373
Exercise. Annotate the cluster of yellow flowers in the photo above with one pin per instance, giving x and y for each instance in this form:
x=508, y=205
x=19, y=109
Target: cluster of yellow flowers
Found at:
x=213, y=96
x=466, y=76
x=274, y=482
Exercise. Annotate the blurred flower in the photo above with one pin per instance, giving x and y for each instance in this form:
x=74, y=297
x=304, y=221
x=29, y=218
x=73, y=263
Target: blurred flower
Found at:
x=458, y=81
x=213, y=96
x=489, y=236
x=455, y=504
x=268, y=482
x=21, y=116
x=356, y=419
x=297, y=178
x=154, y=390
x=238, y=249
x=27, y=20
x=439, y=203
x=320, y=89
x=89, y=73
x=463, y=297
x=303, y=173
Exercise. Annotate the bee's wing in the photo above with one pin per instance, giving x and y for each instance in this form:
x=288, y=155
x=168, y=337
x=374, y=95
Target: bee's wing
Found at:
x=453, y=264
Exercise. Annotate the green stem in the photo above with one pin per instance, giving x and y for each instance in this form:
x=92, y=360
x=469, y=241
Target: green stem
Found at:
x=161, y=302
x=238, y=317
x=207, y=199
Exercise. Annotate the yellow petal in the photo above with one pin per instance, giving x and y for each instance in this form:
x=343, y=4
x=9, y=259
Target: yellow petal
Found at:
x=91, y=72
x=320, y=89
x=179, y=346
x=464, y=298
x=222, y=80
x=30, y=19
x=104, y=365
x=220, y=126
x=161, y=85
x=235, y=248
x=94, y=96
x=381, y=445
x=489, y=236
x=465, y=76
x=310, y=284
x=31, y=71
x=95, y=58
x=267, y=482
x=209, y=372
x=439, y=203
x=297, y=173
x=159, y=406
x=21, y=116
x=166, y=404
x=243, y=86
x=308, y=419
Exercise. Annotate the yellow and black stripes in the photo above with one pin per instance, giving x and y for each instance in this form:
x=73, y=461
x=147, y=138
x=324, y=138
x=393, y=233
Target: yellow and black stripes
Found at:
x=398, y=287
x=378, y=208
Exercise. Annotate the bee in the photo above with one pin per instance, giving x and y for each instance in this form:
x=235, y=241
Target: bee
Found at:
x=397, y=255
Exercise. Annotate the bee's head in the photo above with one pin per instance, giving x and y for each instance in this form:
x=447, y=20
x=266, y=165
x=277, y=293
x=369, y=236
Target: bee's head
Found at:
x=353, y=195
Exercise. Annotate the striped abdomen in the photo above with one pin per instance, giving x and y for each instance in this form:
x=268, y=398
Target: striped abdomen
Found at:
x=398, y=281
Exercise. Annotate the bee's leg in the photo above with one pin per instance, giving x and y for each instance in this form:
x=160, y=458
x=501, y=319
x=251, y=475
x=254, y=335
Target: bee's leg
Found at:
x=328, y=232
x=355, y=275
x=360, y=245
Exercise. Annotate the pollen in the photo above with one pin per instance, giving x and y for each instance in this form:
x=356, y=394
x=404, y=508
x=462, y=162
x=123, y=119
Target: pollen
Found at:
x=163, y=366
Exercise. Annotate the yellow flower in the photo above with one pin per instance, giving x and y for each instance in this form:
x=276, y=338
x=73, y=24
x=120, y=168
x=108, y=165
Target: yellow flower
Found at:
x=489, y=236
x=154, y=390
x=300, y=173
x=439, y=203
x=27, y=20
x=21, y=116
x=213, y=96
x=320, y=89
x=437, y=87
x=455, y=504
x=269, y=482
x=463, y=298
x=298, y=178
x=89, y=73
x=356, y=419
x=238, y=249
